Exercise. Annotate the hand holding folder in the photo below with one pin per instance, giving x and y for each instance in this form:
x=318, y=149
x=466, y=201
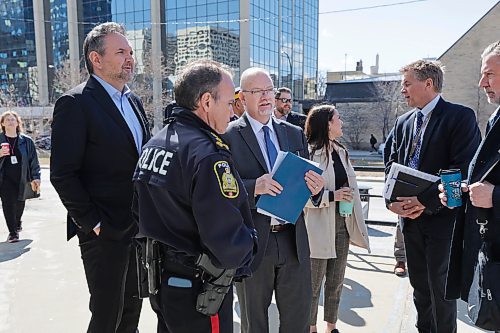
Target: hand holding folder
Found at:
x=289, y=171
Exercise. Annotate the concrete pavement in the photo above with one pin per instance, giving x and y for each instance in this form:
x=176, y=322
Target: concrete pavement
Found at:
x=43, y=288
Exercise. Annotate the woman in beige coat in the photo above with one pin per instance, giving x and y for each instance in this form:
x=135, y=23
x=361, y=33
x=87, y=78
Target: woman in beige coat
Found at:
x=329, y=233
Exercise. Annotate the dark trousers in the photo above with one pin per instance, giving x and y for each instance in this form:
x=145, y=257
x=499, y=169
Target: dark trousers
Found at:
x=112, y=281
x=12, y=208
x=427, y=254
x=175, y=307
x=280, y=271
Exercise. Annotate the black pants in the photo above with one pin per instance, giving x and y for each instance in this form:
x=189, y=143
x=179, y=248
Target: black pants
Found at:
x=112, y=281
x=427, y=254
x=176, y=307
x=12, y=208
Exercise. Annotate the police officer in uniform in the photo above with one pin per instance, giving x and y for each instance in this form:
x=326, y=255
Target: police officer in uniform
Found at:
x=190, y=198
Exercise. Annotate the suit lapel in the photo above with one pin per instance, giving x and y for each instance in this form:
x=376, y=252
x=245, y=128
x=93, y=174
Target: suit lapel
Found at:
x=491, y=155
x=250, y=139
x=281, y=133
x=108, y=106
x=144, y=124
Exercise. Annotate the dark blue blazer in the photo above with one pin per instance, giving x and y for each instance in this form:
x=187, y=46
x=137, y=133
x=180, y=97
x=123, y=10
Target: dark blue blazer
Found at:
x=450, y=141
x=93, y=159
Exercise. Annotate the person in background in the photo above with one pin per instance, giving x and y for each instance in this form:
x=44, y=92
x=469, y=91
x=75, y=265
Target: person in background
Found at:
x=399, y=242
x=283, y=110
x=329, y=237
x=373, y=142
x=19, y=172
x=238, y=108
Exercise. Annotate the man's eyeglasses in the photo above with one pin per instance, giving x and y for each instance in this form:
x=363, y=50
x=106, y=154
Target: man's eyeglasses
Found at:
x=261, y=92
x=285, y=100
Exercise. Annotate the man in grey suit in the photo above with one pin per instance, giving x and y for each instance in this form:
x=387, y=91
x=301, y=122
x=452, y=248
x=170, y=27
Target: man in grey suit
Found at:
x=282, y=262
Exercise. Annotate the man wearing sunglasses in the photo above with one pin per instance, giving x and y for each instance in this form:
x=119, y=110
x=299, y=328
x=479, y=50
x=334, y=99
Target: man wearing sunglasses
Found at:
x=283, y=110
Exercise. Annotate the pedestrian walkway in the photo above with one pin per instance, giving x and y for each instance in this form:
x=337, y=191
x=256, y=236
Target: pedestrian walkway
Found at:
x=43, y=287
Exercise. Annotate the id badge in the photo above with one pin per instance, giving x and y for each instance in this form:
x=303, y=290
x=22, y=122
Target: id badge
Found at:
x=13, y=159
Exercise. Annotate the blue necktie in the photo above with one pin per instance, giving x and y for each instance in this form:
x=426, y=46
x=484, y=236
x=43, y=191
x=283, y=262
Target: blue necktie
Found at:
x=416, y=154
x=271, y=151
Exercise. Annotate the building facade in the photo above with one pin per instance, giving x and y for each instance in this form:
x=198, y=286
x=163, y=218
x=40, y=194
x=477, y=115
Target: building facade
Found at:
x=281, y=36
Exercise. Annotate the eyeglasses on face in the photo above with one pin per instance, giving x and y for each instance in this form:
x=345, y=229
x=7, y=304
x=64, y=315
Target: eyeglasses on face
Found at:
x=285, y=100
x=261, y=92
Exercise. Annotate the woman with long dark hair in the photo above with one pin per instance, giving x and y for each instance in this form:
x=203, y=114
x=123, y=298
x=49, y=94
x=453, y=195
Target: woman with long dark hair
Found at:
x=19, y=171
x=329, y=232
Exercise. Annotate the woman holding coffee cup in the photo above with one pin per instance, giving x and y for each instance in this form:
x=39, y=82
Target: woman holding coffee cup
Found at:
x=329, y=232
x=19, y=171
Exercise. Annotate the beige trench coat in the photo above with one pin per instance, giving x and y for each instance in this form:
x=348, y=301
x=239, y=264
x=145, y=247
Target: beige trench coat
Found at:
x=320, y=221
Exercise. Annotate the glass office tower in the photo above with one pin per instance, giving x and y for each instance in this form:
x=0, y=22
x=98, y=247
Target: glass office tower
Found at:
x=281, y=36
x=17, y=51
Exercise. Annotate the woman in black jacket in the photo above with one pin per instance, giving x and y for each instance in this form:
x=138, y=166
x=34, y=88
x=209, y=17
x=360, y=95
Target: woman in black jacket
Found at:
x=19, y=171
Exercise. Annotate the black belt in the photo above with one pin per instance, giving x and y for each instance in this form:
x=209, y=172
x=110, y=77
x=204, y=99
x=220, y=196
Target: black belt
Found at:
x=181, y=269
x=281, y=227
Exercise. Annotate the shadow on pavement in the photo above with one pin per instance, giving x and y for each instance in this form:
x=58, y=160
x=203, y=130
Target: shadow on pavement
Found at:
x=372, y=232
x=9, y=251
x=373, y=264
x=354, y=296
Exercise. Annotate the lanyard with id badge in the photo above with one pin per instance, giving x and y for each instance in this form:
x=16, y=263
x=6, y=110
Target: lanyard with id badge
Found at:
x=13, y=157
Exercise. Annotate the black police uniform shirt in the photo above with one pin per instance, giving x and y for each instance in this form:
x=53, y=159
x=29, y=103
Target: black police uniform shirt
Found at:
x=190, y=197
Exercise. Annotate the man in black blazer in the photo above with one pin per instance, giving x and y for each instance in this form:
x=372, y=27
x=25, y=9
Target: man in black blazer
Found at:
x=483, y=190
x=282, y=261
x=98, y=130
x=436, y=135
x=283, y=110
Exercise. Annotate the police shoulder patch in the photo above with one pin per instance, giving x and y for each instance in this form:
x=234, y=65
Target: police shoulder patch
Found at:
x=227, y=182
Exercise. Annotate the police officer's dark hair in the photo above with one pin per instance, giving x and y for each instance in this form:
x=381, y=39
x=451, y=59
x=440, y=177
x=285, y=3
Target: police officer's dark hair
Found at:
x=95, y=40
x=281, y=90
x=198, y=78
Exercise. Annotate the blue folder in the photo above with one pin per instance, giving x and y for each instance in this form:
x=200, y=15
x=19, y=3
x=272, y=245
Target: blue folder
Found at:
x=291, y=201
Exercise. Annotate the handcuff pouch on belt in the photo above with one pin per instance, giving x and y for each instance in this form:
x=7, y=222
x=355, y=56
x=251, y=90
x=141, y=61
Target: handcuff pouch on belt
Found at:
x=216, y=284
x=149, y=263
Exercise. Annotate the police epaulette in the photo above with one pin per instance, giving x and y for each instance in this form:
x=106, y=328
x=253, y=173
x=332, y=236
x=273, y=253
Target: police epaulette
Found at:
x=218, y=141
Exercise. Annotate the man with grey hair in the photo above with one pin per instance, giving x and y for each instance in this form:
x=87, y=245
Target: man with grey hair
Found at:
x=282, y=263
x=98, y=131
x=483, y=189
x=435, y=135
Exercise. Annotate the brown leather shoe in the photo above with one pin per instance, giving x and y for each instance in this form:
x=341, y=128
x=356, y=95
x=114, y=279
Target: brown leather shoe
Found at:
x=400, y=268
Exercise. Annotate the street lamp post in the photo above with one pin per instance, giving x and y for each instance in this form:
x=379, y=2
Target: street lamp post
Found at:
x=291, y=70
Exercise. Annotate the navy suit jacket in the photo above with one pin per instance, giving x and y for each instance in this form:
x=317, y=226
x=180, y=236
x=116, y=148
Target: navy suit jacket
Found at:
x=297, y=119
x=450, y=140
x=251, y=164
x=93, y=159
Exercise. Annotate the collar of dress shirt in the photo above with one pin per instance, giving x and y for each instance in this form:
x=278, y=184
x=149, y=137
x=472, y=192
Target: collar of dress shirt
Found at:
x=112, y=91
x=430, y=106
x=257, y=126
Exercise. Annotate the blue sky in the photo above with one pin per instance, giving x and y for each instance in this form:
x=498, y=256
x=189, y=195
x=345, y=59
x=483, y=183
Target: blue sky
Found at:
x=399, y=34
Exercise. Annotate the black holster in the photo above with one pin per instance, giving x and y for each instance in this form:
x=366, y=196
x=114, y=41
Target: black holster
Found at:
x=216, y=284
x=149, y=269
